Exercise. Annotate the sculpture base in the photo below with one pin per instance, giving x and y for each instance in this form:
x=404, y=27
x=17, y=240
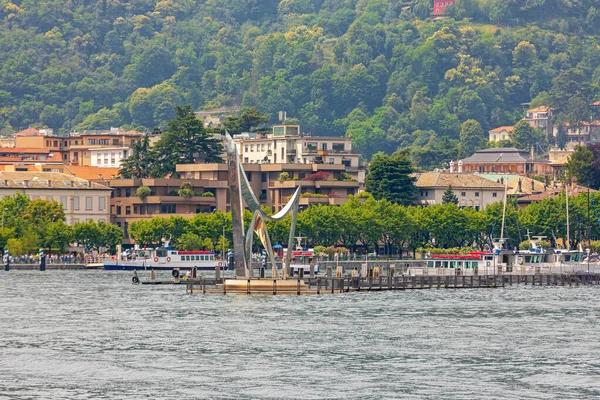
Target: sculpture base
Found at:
x=264, y=285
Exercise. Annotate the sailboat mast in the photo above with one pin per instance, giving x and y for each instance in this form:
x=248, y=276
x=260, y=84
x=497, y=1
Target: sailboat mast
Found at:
x=504, y=210
x=567, y=200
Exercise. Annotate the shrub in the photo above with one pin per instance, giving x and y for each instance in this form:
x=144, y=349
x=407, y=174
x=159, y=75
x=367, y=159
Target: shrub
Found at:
x=284, y=176
x=208, y=194
x=142, y=192
x=185, y=192
x=332, y=194
x=317, y=176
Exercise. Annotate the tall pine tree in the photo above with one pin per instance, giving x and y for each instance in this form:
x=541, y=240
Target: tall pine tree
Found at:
x=389, y=178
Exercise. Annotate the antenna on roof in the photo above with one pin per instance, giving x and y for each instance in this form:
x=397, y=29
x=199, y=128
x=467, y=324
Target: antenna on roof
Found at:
x=282, y=116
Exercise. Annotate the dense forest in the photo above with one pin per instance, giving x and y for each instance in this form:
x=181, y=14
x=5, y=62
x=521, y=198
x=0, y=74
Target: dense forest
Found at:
x=379, y=71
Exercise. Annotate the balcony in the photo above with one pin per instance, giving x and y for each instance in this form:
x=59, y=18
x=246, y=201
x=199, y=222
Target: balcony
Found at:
x=174, y=200
x=291, y=152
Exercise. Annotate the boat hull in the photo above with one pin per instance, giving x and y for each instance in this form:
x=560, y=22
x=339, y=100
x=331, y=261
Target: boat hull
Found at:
x=125, y=266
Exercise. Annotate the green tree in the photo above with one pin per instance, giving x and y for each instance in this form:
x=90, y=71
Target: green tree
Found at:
x=248, y=119
x=184, y=142
x=582, y=165
x=471, y=137
x=523, y=135
x=449, y=196
x=389, y=178
x=141, y=161
x=57, y=235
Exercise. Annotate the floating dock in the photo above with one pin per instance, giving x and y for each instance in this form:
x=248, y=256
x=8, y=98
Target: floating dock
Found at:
x=325, y=285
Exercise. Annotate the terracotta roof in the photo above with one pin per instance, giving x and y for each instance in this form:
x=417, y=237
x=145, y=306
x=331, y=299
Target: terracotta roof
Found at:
x=28, y=132
x=92, y=173
x=596, y=103
x=555, y=192
x=540, y=109
x=23, y=150
x=528, y=186
x=36, y=179
x=459, y=181
x=501, y=129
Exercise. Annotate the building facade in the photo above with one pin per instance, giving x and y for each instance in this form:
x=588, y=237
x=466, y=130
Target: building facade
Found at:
x=499, y=134
x=506, y=160
x=82, y=200
x=288, y=145
x=471, y=190
x=540, y=118
x=440, y=6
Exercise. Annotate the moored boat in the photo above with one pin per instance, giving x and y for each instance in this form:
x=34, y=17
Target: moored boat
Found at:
x=167, y=258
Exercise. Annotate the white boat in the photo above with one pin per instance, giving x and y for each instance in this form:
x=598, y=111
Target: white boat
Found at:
x=167, y=258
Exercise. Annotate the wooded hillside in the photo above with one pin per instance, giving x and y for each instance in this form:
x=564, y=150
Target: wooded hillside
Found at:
x=373, y=69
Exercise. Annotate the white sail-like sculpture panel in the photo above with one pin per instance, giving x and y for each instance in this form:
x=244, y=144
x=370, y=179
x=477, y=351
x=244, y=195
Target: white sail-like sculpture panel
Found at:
x=241, y=191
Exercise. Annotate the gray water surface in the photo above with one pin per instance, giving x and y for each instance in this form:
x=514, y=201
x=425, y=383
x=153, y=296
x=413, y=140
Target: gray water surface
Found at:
x=93, y=335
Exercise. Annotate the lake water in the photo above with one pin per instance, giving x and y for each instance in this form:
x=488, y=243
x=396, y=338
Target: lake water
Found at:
x=93, y=335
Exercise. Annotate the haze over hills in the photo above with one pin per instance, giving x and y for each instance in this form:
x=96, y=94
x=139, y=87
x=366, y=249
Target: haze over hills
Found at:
x=378, y=70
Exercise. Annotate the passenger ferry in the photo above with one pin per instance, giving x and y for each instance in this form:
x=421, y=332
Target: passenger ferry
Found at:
x=167, y=258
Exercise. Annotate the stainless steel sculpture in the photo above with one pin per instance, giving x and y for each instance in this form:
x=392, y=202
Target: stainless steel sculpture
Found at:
x=241, y=191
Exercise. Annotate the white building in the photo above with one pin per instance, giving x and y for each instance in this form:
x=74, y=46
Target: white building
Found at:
x=109, y=157
x=82, y=200
x=286, y=144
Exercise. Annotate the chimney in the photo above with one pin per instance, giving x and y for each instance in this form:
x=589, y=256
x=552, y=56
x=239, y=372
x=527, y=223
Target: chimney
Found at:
x=573, y=183
x=519, y=187
x=26, y=183
x=451, y=166
x=460, y=164
x=532, y=154
x=89, y=183
x=72, y=183
x=49, y=183
x=532, y=186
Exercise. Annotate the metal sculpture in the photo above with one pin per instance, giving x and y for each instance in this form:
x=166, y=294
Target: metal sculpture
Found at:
x=241, y=191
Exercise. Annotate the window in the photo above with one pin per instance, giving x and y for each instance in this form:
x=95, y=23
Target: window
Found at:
x=463, y=194
x=168, y=208
x=251, y=148
x=88, y=203
x=127, y=210
x=263, y=177
x=246, y=148
x=494, y=194
x=476, y=194
x=63, y=201
x=102, y=205
x=75, y=220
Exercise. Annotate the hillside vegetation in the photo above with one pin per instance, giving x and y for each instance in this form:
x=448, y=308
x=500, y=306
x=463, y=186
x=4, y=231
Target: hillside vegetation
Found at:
x=370, y=69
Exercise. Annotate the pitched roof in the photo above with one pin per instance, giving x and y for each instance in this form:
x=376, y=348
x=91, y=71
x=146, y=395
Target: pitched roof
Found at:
x=23, y=150
x=554, y=192
x=502, y=129
x=28, y=132
x=92, y=173
x=528, y=185
x=540, y=109
x=36, y=179
x=498, y=155
x=458, y=181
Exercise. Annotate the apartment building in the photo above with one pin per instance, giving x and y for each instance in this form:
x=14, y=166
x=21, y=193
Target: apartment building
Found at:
x=82, y=200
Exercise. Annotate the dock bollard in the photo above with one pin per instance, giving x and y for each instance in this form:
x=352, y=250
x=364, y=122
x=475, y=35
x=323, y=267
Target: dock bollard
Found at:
x=217, y=274
x=152, y=274
x=42, y=260
x=6, y=260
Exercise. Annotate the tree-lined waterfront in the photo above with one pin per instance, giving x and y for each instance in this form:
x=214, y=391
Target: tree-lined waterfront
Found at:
x=364, y=223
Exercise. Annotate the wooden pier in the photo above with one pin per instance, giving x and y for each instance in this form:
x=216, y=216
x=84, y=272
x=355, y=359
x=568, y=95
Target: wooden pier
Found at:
x=331, y=285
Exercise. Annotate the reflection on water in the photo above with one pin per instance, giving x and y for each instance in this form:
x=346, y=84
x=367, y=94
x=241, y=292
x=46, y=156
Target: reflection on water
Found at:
x=93, y=335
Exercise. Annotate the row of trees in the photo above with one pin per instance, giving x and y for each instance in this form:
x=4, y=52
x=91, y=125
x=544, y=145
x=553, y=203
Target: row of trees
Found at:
x=368, y=223
x=28, y=225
